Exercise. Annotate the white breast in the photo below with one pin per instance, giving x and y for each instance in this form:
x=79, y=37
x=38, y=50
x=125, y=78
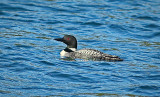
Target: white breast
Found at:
x=63, y=53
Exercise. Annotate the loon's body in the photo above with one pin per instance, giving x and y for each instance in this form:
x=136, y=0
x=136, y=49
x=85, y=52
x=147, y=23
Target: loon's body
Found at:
x=72, y=52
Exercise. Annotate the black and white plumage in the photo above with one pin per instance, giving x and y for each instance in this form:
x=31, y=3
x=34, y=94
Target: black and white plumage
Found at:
x=87, y=54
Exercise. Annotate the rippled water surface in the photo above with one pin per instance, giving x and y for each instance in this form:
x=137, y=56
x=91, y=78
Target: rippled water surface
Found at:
x=30, y=64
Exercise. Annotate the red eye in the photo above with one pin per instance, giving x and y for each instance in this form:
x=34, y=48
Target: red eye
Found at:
x=67, y=38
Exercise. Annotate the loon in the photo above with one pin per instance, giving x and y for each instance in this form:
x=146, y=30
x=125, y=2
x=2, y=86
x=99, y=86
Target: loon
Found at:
x=88, y=54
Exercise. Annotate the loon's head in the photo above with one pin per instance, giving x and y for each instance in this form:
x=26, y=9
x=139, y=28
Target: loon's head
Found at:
x=69, y=40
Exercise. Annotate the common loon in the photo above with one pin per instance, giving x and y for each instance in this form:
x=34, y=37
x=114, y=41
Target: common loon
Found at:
x=88, y=54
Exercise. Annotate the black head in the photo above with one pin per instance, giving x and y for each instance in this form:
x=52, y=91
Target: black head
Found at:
x=69, y=40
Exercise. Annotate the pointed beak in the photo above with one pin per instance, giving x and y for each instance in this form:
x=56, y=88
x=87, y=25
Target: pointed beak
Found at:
x=59, y=39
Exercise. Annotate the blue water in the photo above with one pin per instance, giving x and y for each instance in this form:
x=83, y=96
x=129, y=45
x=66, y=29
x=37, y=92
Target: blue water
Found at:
x=30, y=64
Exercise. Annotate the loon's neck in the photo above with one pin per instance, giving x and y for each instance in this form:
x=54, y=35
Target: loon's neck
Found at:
x=70, y=49
x=66, y=51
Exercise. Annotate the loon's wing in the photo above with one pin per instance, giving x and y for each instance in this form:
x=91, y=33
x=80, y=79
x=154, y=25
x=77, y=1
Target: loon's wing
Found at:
x=89, y=52
x=95, y=55
x=93, y=52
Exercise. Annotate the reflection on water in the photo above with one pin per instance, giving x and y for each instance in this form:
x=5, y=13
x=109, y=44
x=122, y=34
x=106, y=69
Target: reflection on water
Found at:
x=30, y=64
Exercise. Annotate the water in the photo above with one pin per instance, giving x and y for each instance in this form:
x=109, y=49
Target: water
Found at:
x=30, y=64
